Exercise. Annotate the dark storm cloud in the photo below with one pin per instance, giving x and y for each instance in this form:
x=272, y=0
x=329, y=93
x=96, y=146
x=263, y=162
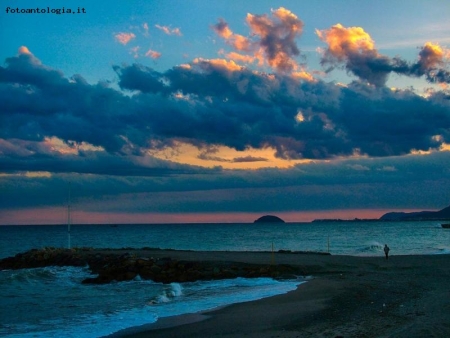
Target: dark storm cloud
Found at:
x=335, y=120
x=140, y=78
x=389, y=182
x=40, y=102
x=28, y=70
x=209, y=103
x=98, y=163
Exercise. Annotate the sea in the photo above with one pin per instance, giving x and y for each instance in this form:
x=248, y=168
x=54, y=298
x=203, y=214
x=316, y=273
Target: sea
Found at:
x=52, y=302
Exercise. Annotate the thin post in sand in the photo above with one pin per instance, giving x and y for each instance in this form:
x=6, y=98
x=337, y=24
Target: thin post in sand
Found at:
x=273, y=256
x=68, y=219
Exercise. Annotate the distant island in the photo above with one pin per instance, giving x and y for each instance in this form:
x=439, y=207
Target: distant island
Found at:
x=443, y=214
x=269, y=219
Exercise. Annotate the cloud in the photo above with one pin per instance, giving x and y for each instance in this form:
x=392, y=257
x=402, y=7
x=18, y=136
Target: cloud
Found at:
x=249, y=159
x=169, y=31
x=124, y=38
x=354, y=48
x=272, y=38
x=277, y=37
x=135, y=51
x=24, y=50
x=239, y=42
x=432, y=62
x=239, y=57
x=146, y=29
x=358, y=167
x=205, y=103
x=333, y=124
x=418, y=182
x=153, y=54
x=355, y=139
x=387, y=168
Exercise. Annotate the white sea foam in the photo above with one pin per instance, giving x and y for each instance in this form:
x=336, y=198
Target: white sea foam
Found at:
x=168, y=294
x=371, y=247
x=442, y=251
x=52, y=302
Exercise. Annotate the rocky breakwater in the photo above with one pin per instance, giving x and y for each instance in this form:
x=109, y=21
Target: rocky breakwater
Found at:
x=117, y=265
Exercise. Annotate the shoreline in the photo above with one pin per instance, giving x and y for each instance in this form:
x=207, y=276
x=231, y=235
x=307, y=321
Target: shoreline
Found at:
x=349, y=296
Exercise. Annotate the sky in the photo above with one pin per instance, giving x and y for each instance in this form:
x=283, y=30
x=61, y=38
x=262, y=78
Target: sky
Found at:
x=222, y=111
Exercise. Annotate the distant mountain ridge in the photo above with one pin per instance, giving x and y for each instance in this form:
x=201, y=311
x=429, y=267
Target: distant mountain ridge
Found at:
x=416, y=216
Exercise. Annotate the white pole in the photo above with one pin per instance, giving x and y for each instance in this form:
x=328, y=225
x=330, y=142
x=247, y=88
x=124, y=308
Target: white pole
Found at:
x=273, y=257
x=68, y=218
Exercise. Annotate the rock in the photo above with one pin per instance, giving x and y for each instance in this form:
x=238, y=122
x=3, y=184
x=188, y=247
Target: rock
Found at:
x=109, y=266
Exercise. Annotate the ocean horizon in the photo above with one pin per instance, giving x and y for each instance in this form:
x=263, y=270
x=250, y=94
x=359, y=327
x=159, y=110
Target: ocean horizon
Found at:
x=52, y=302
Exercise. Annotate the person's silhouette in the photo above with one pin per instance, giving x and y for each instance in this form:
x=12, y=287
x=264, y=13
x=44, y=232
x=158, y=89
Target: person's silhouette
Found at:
x=386, y=251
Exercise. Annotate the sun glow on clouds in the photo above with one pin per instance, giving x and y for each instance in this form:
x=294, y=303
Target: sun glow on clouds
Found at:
x=153, y=54
x=224, y=157
x=219, y=63
x=29, y=174
x=55, y=144
x=345, y=41
x=125, y=38
x=169, y=31
x=272, y=42
x=24, y=50
x=58, y=216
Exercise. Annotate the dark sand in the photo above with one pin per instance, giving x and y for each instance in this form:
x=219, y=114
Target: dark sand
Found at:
x=406, y=296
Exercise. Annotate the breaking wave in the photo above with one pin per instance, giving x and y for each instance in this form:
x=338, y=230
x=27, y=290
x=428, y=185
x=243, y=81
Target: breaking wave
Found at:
x=371, y=247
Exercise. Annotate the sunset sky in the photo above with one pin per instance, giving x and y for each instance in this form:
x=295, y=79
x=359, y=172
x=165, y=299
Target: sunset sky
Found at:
x=222, y=111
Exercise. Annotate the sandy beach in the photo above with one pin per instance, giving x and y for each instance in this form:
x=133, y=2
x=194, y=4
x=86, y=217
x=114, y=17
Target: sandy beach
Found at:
x=405, y=296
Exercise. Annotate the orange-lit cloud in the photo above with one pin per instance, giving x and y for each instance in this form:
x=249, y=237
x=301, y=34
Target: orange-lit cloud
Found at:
x=239, y=57
x=169, y=31
x=57, y=145
x=304, y=75
x=277, y=37
x=433, y=62
x=224, y=157
x=153, y=54
x=345, y=42
x=24, y=50
x=222, y=29
x=432, y=56
x=229, y=65
x=354, y=48
x=272, y=40
x=239, y=42
x=124, y=38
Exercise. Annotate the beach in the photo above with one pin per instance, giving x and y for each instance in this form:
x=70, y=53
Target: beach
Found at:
x=345, y=296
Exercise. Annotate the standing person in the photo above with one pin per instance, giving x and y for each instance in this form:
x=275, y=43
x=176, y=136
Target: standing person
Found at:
x=386, y=251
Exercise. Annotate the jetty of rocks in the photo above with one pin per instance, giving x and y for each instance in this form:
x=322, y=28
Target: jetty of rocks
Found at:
x=108, y=265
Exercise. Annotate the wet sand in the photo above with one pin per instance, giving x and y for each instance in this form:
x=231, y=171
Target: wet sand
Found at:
x=405, y=296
